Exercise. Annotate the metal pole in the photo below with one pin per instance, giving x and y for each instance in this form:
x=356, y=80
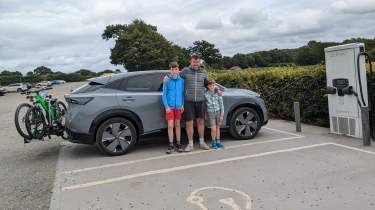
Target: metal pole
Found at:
x=365, y=126
x=297, y=116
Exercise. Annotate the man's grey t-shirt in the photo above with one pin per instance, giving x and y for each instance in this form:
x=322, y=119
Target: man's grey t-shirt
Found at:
x=194, y=84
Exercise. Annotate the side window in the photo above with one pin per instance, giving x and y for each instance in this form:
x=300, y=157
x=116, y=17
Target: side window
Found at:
x=115, y=84
x=144, y=83
x=157, y=79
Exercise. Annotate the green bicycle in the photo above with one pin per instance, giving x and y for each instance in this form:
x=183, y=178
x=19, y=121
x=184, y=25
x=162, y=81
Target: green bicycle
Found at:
x=37, y=125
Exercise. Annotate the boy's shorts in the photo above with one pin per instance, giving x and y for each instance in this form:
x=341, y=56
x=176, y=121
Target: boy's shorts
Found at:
x=174, y=114
x=214, y=119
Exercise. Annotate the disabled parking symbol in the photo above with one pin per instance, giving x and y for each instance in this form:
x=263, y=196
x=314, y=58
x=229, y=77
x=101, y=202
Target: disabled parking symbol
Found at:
x=220, y=197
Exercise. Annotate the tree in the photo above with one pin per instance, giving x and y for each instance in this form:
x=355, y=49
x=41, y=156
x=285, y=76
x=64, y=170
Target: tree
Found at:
x=85, y=72
x=139, y=46
x=11, y=73
x=29, y=73
x=227, y=62
x=42, y=70
x=208, y=52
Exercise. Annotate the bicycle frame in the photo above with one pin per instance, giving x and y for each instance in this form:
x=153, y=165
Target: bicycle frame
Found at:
x=46, y=106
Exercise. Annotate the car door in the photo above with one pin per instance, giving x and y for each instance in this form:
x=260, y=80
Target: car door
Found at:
x=142, y=95
x=12, y=87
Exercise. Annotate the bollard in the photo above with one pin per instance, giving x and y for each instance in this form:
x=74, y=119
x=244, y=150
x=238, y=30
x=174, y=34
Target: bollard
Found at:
x=297, y=116
x=365, y=126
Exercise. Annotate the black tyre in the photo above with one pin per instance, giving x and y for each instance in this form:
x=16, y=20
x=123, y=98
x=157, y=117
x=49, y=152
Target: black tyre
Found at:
x=19, y=90
x=19, y=120
x=116, y=136
x=61, y=109
x=244, y=123
x=35, y=123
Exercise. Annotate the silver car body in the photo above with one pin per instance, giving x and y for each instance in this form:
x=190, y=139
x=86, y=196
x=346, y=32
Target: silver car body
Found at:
x=106, y=97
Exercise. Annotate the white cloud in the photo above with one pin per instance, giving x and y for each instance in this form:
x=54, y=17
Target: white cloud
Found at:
x=354, y=6
x=248, y=17
x=66, y=35
x=209, y=23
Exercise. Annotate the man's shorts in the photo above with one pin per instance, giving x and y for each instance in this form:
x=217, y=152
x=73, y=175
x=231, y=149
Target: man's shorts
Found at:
x=214, y=119
x=173, y=114
x=194, y=110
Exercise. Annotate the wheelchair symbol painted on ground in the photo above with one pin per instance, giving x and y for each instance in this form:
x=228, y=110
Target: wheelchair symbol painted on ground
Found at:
x=220, y=198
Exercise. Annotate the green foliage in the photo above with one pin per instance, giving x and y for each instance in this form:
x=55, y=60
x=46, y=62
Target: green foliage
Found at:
x=305, y=84
x=310, y=54
x=139, y=46
x=208, y=53
x=42, y=70
x=44, y=73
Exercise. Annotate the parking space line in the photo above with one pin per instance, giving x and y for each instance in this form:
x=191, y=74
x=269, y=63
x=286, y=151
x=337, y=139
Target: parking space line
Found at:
x=189, y=166
x=174, y=155
x=355, y=148
x=280, y=131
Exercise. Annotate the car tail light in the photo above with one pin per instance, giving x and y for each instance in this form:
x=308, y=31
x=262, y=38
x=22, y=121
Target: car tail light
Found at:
x=78, y=100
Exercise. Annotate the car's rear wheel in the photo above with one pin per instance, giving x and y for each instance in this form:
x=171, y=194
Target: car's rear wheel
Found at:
x=245, y=123
x=116, y=136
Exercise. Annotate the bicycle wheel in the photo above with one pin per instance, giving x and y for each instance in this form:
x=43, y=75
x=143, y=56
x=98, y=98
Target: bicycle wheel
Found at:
x=35, y=123
x=19, y=120
x=61, y=110
x=60, y=117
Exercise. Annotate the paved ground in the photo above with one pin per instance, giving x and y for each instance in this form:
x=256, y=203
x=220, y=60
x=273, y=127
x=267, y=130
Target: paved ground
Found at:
x=278, y=170
x=27, y=172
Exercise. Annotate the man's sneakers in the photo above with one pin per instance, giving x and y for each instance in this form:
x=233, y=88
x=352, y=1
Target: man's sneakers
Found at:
x=170, y=149
x=204, y=146
x=189, y=148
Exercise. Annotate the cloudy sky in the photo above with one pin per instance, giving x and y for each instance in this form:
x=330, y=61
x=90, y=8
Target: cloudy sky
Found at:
x=66, y=34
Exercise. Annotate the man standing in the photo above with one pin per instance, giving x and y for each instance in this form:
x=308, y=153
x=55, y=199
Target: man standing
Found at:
x=196, y=80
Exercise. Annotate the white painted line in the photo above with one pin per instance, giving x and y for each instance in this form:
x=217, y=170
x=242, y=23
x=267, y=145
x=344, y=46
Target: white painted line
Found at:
x=174, y=155
x=355, y=148
x=184, y=167
x=280, y=131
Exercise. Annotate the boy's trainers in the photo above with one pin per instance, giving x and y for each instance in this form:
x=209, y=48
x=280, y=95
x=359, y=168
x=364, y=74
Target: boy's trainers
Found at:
x=170, y=149
x=178, y=148
x=213, y=144
x=219, y=144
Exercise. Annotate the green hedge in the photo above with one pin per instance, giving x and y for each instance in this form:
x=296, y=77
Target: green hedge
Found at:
x=305, y=84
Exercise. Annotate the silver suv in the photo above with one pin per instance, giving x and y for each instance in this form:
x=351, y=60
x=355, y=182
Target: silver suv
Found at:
x=112, y=112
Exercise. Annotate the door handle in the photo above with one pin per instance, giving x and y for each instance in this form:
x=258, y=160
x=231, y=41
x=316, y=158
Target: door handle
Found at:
x=128, y=99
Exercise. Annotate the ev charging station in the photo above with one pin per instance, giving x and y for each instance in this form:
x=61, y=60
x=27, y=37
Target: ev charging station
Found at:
x=347, y=88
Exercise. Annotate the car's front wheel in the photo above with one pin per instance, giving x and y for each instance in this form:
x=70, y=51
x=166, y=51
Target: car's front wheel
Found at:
x=116, y=136
x=244, y=123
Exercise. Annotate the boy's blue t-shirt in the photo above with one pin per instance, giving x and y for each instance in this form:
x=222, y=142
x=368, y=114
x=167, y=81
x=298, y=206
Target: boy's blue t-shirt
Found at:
x=173, y=92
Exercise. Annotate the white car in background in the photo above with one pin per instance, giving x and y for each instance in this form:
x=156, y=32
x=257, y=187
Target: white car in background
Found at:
x=2, y=91
x=16, y=87
x=44, y=84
